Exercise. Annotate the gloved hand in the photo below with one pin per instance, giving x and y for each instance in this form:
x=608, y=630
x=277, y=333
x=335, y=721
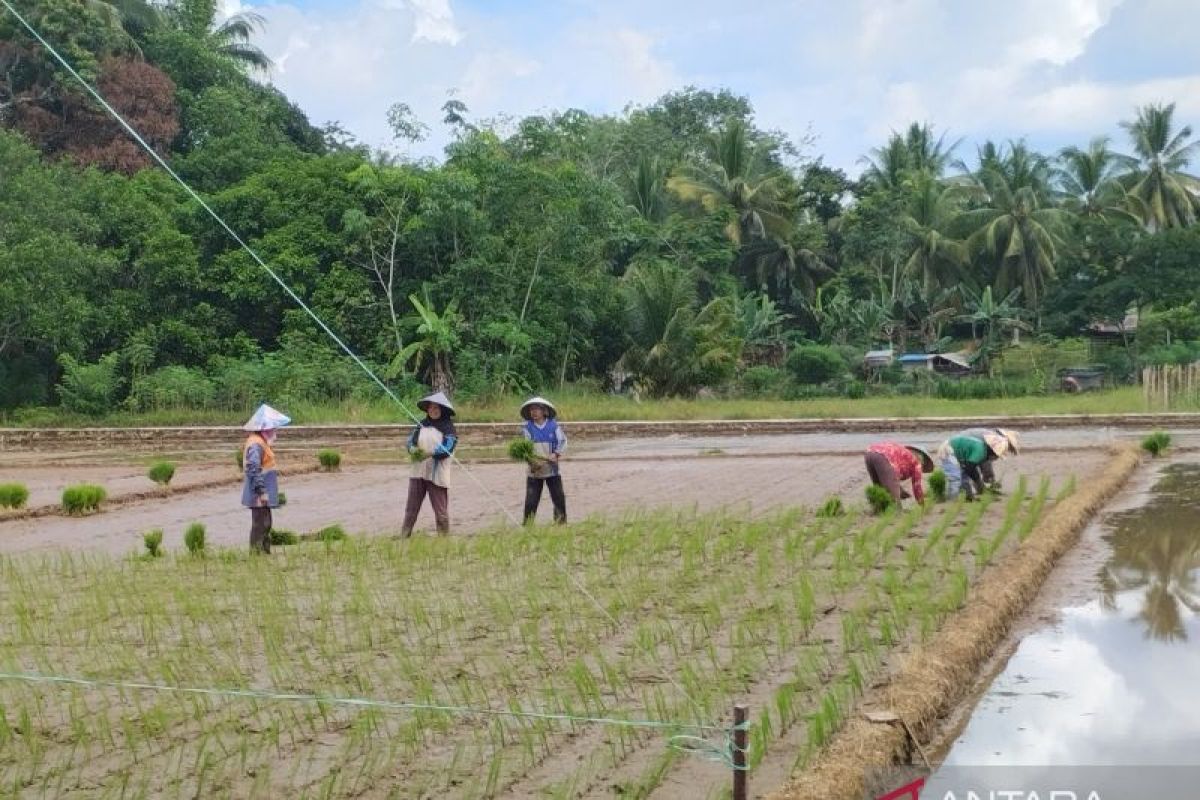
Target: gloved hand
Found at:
x=440, y=453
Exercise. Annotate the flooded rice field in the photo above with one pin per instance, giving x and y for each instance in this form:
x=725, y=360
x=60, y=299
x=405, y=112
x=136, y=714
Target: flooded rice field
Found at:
x=1107, y=692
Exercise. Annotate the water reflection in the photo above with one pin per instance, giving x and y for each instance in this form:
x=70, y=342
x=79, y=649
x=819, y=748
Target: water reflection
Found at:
x=1113, y=681
x=1156, y=548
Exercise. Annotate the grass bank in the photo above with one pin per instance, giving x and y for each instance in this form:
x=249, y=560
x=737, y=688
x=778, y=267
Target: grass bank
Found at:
x=606, y=408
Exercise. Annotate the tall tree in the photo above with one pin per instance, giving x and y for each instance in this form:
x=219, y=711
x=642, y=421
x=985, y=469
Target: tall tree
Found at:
x=1171, y=196
x=1089, y=184
x=732, y=178
x=931, y=210
x=915, y=151
x=1015, y=236
x=230, y=38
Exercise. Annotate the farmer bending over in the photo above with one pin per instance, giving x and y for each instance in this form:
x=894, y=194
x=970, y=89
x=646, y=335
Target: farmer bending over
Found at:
x=431, y=443
x=889, y=463
x=260, y=487
x=962, y=458
x=541, y=427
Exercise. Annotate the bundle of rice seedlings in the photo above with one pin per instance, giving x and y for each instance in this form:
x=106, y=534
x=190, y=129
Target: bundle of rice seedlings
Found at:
x=13, y=495
x=1156, y=443
x=329, y=459
x=153, y=541
x=832, y=508
x=522, y=450
x=162, y=472
x=194, y=538
x=937, y=485
x=879, y=498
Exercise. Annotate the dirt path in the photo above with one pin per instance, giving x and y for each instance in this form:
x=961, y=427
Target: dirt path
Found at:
x=369, y=499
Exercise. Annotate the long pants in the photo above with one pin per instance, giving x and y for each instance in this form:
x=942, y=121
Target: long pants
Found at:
x=883, y=474
x=954, y=476
x=972, y=480
x=533, y=496
x=260, y=529
x=439, y=498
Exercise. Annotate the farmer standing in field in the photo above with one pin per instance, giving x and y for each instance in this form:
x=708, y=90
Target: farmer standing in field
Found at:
x=430, y=444
x=260, y=487
x=889, y=463
x=550, y=442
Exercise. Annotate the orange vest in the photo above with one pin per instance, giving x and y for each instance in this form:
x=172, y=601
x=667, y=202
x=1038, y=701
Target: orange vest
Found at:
x=268, y=456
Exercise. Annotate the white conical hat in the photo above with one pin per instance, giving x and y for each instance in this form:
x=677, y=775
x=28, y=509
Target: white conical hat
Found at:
x=551, y=411
x=997, y=444
x=438, y=398
x=266, y=419
x=1014, y=441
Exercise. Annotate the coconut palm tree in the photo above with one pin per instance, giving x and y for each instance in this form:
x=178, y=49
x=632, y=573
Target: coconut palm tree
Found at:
x=783, y=267
x=931, y=210
x=1171, y=196
x=676, y=347
x=136, y=17
x=647, y=188
x=230, y=39
x=732, y=178
x=1088, y=182
x=1014, y=235
x=914, y=151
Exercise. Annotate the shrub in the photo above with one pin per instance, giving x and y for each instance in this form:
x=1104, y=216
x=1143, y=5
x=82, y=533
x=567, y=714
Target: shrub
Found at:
x=282, y=499
x=937, y=485
x=194, y=538
x=521, y=450
x=815, y=364
x=765, y=381
x=1156, y=443
x=162, y=473
x=856, y=390
x=832, y=508
x=330, y=460
x=13, y=495
x=330, y=533
x=173, y=387
x=91, y=389
x=280, y=536
x=153, y=541
x=879, y=498
x=83, y=498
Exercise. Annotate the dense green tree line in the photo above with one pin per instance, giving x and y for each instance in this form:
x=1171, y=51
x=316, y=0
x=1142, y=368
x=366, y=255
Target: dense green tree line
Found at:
x=667, y=248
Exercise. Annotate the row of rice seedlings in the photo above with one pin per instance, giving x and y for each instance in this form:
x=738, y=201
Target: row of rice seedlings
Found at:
x=986, y=549
x=1033, y=513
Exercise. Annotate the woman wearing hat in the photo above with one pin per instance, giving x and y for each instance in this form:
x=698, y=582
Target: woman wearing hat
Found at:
x=889, y=463
x=967, y=454
x=434, y=438
x=550, y=442
x=260, y=486
x=986, y=470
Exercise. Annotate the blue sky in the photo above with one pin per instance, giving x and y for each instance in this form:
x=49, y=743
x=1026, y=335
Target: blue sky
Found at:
x=845, y=73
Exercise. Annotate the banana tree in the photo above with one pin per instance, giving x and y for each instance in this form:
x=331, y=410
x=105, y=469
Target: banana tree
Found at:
x=437, y=336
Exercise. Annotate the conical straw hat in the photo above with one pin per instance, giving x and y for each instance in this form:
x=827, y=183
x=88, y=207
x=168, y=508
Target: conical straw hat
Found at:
x=551, y=411
x=438, y=398
x=266, y=419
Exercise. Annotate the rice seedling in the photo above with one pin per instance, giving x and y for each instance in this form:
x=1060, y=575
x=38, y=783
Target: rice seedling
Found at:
x=1156, y=443
x=281, y=537
x=194, y=538
x=161, y=472
x=832, y=507
x=13, y=495
x=330, y=460
x=879, y=499
x=83, y=499
x=522, y=450
x=239, y=457
x=937, y=485
x=153, y=542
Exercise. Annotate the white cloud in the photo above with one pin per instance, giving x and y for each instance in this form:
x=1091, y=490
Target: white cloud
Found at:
x=852, y=71
x=435, y=22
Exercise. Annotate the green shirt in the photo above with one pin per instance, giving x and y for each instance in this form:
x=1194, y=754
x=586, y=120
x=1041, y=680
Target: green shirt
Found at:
x=969, y=450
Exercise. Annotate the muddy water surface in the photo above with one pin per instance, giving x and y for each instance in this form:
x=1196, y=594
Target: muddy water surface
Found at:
x=1114, y=684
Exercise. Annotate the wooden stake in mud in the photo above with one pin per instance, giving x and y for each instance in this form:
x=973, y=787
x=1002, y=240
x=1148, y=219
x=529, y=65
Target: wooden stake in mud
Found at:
x=741, y=776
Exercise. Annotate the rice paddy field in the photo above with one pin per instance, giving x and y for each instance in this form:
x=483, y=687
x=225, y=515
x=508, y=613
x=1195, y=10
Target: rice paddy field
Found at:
x=601, y=659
